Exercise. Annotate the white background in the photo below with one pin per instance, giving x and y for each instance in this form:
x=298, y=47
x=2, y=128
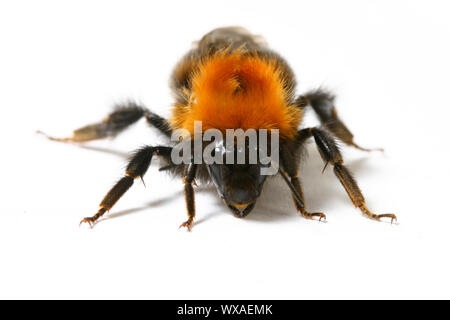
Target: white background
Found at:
x=63, y=64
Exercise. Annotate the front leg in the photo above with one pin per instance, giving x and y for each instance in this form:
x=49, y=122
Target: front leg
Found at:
x=289, y=154
x=297, y=194
x=188, y=180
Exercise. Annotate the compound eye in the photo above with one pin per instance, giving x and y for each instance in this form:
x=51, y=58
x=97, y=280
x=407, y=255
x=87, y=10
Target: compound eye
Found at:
x=215, y=172
x=261, y=177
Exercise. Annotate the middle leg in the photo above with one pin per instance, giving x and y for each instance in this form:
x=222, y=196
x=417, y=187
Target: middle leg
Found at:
x=330, y=154
x=136, y=168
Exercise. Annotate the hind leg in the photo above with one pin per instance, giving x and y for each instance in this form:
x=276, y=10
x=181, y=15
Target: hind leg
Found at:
x=159, y=123
x=122, y=117
x=322, y=103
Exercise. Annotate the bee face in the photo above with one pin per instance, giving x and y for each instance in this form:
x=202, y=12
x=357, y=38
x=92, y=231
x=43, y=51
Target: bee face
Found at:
x=239, y=185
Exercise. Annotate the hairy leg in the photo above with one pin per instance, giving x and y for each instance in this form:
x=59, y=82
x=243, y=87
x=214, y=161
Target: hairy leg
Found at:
x=289, y=154
x=123, y=116
x=188, y=180
x=297, y=195
x=331, y=155
x=322, y=103
x=137, y=167
x=159, y=123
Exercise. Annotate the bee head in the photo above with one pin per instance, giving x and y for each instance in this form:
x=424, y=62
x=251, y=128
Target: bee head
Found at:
x=239, y=176
x=239, y=185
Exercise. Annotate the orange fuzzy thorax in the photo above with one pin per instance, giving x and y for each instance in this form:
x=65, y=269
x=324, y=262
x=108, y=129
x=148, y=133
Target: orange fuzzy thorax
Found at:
x=237, y=90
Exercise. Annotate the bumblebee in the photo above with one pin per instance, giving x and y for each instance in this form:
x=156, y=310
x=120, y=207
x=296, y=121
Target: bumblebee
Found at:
x=230, y=79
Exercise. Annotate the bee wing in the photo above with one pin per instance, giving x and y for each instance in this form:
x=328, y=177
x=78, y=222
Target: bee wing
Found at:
x=234, y=37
